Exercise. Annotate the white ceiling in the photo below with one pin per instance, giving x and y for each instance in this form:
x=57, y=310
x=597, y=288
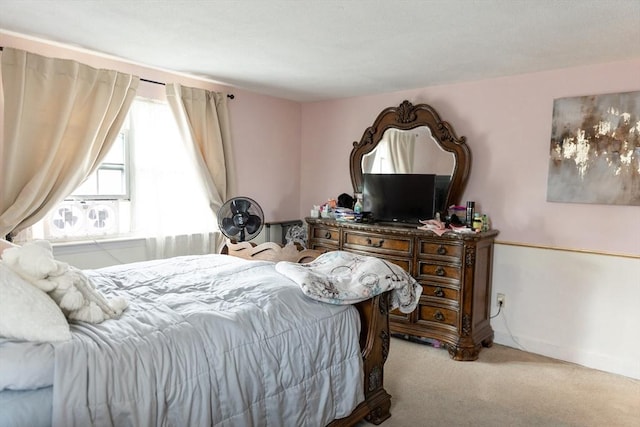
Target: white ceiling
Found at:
x=308, y=50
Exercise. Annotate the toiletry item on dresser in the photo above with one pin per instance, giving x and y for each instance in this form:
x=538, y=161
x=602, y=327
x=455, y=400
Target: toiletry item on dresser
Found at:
x=357, y=208
x=485, y=223
x=469, y=218
x=477, y=222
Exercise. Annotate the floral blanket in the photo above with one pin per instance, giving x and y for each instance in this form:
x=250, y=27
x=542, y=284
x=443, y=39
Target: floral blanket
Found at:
x=340, y=277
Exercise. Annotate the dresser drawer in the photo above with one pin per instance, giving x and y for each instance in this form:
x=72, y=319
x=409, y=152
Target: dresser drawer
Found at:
x=429, y=270
x=325, y=235
x=405, y=263
x=380, y=243
x=316, y=246
x=399, y=316
x=438, y=250
x=440, y=293
x=444, y=316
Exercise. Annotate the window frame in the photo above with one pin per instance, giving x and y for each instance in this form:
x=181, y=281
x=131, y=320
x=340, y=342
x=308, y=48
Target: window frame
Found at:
x=124, y=167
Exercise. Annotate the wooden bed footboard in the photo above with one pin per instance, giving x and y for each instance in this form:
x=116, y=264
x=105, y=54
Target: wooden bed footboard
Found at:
x=374, y=333
x=374, y=343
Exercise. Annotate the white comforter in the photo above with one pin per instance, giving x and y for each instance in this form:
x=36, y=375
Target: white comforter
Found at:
x=211, y=340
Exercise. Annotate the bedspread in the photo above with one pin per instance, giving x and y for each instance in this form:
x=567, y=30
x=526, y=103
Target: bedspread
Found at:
x=209, y=340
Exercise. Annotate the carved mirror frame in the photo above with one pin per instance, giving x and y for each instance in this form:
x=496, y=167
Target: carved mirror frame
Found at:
x=405, y=117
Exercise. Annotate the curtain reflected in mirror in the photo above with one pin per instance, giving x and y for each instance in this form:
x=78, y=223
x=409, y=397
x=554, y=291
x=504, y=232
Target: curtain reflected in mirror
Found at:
x=408, y=151
x=394, y=153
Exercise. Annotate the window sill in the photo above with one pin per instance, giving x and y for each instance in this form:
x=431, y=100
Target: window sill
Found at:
x=75, y=246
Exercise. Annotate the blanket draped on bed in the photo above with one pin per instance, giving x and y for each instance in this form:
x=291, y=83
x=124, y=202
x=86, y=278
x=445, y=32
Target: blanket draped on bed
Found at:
x=209, y=341
x=340, y=277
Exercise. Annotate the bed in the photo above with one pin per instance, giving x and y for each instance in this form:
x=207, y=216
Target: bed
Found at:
x=224, y=340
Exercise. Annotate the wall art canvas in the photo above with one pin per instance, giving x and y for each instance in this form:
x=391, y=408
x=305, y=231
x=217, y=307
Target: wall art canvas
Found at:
x=595, y=150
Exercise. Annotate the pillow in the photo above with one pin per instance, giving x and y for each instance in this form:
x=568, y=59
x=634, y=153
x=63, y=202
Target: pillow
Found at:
x=26, y=365
x=28, y=313
x=5, y=244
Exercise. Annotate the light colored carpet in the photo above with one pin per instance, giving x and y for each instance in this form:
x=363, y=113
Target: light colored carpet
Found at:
x=504, y=387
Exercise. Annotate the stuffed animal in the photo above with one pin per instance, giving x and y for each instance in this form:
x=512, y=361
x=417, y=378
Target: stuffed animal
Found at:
x=69, y=287
x=34, y=262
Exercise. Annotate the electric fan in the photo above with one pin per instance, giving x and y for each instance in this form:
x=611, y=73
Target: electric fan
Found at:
x=240, y=218
x=102, y=219
x=67, y=218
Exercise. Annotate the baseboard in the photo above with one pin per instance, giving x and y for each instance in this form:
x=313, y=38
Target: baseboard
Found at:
x=601, y=362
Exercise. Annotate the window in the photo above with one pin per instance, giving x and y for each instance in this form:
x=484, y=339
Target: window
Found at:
x=110, y=181
x=146, y=185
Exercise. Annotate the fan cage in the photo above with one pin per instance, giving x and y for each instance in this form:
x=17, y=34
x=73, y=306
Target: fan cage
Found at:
x=237, y=219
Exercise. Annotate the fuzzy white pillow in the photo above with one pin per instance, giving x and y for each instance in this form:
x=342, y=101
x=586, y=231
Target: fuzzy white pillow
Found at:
x=5, y=244
x=27, y=313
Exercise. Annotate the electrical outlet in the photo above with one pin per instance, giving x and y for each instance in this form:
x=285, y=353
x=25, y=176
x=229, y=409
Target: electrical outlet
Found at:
x=500, y=300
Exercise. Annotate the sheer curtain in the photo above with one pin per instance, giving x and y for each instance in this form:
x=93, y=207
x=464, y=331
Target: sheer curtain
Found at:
x=169, y=203
x=203, y=119
x=60, y=119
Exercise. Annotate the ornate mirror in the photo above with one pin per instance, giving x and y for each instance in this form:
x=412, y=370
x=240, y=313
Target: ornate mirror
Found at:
x=412, y=139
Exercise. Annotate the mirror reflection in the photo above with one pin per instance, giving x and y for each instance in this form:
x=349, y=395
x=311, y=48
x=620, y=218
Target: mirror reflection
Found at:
x=412, y=151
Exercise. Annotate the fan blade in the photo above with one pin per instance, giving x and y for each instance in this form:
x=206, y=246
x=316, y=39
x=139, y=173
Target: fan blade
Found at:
x=229, y=227
x=240, y=206
x=253, y=224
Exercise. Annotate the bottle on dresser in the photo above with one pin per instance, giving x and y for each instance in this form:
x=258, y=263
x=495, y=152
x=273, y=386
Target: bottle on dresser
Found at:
x=469, y=214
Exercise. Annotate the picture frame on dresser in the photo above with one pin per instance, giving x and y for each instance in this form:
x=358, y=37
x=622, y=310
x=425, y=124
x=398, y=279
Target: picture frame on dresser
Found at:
x=454, y=269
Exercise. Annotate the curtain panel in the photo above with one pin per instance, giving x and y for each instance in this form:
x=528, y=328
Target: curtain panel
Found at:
x=60, y=119
x=203, y=120
x=169, y=203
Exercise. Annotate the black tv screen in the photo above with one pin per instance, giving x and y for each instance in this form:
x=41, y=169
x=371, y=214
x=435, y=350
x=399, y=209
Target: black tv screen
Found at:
x=400, y=198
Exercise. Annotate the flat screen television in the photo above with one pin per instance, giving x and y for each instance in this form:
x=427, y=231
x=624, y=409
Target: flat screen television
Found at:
x=399, y=198
x=442, y=191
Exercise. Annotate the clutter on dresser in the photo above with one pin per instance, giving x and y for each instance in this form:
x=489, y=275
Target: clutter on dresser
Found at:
x=463, y=219
x=344, y=208
x=346, y=214
x=345, y=201
x=466, y=219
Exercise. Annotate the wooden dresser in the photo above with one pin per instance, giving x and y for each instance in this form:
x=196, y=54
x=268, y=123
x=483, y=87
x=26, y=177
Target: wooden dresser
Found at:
x=454, y=271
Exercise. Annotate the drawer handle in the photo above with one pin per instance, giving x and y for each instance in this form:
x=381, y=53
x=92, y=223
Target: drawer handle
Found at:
x=442, y=250
x=438, y=292
x=438, y=316
x=440, y=271
x=375, y=245
x=327, y=235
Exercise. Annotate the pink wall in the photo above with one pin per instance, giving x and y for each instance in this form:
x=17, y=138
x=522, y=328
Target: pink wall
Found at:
x=507, y=123
x=265, y=130
x=266, y=135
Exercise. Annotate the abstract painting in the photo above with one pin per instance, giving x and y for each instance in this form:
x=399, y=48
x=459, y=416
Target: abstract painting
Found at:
x=595, y=150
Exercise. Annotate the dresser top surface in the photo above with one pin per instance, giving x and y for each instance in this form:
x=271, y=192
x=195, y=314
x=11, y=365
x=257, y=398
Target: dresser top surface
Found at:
x=400, y=229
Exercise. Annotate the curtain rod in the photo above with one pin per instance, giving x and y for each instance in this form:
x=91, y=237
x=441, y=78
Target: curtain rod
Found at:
x=229, y=95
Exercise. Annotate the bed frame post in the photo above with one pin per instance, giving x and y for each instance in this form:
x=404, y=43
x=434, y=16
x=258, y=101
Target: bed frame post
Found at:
x=374, y=343
x=374, y=314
